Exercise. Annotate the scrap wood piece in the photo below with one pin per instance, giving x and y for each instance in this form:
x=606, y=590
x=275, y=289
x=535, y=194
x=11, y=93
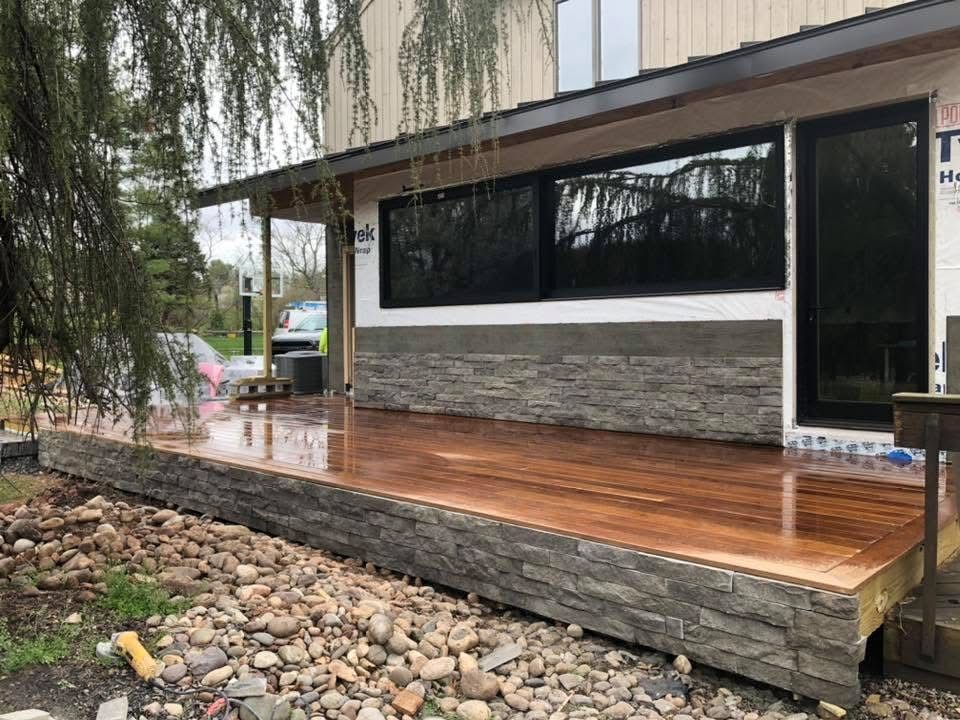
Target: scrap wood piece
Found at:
x=501, y=655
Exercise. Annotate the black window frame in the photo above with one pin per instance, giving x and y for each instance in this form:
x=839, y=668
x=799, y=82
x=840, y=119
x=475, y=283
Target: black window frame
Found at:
x=544, y=216
x=426, y=197
x=772, y=134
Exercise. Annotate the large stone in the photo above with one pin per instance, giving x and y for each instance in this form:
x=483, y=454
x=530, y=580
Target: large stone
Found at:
x=22, y=545
x=217, y=677
x=283, y=626
x=174, y=673
x=369, y=713
x=202, y=636
x=478, y=685
x=437, y=668
x=473, y=710
x=332, y=700
x=209, y=659
x=246, y=574
x=25, y=528
x=265, y=659
x=379, y=629
x=462, y=639
x=292, y=654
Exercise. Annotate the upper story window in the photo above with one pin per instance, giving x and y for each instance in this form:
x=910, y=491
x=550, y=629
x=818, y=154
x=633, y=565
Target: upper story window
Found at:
x=597, y=40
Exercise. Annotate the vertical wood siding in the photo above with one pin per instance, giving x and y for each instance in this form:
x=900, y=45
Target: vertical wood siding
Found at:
x=673, y=31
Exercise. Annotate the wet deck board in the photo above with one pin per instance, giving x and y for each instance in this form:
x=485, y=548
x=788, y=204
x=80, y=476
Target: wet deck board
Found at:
x=828, y=522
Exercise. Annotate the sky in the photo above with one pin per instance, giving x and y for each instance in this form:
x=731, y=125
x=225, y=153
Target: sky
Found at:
x=228, y=232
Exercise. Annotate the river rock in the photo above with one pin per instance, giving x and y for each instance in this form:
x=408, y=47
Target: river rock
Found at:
x=265, y=659
x=209, y=659
x=283, y=626
x=218, y=676
x=478, y=685
x=437, y=668
x=473, y=710
x=379, y=629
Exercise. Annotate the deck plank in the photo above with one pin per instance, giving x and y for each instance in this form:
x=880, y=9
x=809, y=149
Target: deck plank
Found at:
x=811, y=518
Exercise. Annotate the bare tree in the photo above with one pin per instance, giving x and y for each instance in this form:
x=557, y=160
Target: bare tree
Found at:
x=301, y=248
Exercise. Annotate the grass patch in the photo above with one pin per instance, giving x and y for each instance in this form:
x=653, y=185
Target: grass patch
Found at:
x=20, y=488
x=228, y=346
x=42, y=648
x=127, y=599
x=431, y=708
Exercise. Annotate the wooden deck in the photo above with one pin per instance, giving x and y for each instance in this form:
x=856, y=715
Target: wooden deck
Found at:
x=833, y=523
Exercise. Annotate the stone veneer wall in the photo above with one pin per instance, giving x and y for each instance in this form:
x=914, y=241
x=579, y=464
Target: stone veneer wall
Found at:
x=713, y=380
x=793, y=637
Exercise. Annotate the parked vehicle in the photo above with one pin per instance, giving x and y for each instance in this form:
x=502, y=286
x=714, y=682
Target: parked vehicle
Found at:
x=308, y=334
x=294, y=312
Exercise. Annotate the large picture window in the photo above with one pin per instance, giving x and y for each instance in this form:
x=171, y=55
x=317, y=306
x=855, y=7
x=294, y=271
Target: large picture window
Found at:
x=465, y=245
x=702, y=220
x=697, y=217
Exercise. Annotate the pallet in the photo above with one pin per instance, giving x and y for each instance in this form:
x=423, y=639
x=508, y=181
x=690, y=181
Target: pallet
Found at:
x=261, y=388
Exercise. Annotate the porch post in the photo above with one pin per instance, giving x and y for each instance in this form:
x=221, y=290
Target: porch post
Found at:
x=267, y=295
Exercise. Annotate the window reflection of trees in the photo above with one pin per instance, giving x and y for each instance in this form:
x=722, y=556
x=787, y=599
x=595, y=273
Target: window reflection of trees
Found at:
x=483, y=243
x=706, y=218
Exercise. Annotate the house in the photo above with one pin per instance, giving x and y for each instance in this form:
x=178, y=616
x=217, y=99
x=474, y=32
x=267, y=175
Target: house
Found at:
x=709, y=218
x=729, y=220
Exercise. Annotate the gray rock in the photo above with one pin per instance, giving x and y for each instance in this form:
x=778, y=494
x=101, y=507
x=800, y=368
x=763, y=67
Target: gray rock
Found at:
x=209, y=659
x=379, y=629
x=283, y=626
x=401, y=676
x=332, y=700
x=23, y=528
x=262, y=705
x=174, y=673
x=377, y=655
x=292, y=654
x=263, y=638
x=570, y=681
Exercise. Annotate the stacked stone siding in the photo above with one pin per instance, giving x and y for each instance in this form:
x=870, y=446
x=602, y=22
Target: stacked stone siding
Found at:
x=736, y=399
x=799, y=638
x=698, y=384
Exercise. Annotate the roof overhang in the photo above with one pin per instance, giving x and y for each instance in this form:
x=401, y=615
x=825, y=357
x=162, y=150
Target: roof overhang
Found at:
x=918, y=27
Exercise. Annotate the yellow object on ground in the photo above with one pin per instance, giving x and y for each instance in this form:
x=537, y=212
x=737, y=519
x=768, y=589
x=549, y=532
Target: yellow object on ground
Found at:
x=128, y=644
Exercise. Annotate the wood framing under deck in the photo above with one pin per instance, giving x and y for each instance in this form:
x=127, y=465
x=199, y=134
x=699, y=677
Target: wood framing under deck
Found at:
x=765, y=563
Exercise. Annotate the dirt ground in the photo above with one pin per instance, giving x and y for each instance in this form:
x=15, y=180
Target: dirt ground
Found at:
x=75, y=686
